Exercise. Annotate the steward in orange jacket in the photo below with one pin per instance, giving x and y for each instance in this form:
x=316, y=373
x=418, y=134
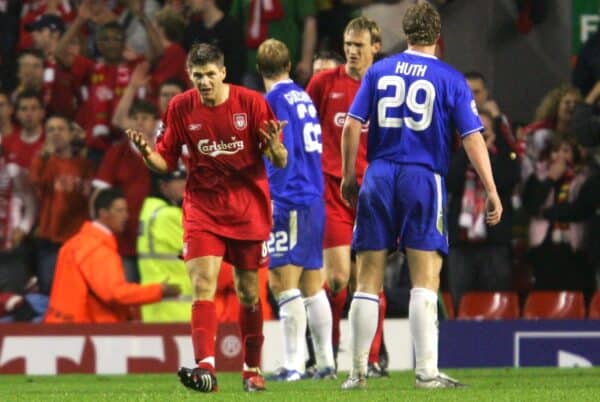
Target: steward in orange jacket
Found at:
x=89, y=283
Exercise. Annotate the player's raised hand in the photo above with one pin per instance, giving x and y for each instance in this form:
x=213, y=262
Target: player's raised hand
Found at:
x=349, y=190
x=274, y=150
x=270, y=132
x=139, y=141
x=493, y=208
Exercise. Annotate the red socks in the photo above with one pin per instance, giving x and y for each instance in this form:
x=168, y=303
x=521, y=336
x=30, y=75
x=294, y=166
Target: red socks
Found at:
x=251, y=327
x=204, y=331
x=376, y=345
x=337, y=302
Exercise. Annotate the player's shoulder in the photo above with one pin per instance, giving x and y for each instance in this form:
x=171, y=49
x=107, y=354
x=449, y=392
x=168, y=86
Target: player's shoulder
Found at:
x=245, y=96
x=326, y=76
x=184, y=100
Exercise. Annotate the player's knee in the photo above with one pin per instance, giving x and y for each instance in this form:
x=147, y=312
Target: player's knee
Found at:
x=247, y=291
x=204, y=286
x=338, y=280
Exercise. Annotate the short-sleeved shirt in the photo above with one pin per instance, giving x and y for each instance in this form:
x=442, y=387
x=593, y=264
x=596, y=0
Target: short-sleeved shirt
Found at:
x=22, y=152
x=415, y=102
x=63, y=186
x=301, y=181
x=227, y=192
x=332, y=92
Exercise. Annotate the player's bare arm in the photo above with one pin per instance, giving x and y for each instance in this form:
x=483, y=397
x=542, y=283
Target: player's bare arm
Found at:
x=350, y=143
x=152, y=158
x=478, y=155
x=274, y=149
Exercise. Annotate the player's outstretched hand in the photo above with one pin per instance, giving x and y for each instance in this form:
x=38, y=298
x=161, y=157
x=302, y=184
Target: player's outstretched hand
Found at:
x=493, y=208
x=349, y=190
x=139, y=141
x=270, y=132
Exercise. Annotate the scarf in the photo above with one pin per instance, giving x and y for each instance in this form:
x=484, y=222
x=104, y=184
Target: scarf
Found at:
x=261, y=13
x=471, y=220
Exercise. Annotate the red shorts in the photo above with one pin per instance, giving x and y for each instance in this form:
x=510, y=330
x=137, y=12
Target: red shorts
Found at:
x=242, y=254
x=339, y=217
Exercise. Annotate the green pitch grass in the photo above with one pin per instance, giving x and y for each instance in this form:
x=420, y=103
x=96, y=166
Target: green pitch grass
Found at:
x=540, y=384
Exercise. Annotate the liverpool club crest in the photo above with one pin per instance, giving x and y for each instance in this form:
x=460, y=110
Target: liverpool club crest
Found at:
x=240, y=121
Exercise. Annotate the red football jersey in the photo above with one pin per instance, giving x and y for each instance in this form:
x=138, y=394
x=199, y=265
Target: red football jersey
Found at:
x=21, y=152
x=106, y=84
x=332, y=92
x=227, y=192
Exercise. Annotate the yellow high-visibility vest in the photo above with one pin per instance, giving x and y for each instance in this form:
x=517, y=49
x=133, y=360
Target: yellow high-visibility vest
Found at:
x=159, y=244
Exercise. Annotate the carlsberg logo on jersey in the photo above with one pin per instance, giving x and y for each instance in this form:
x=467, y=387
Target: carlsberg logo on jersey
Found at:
x=214, y=148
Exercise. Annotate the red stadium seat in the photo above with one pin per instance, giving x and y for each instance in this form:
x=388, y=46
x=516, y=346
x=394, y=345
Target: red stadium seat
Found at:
x=595, y=306
x=447, y=299
x=554, y=305
x=489, y=306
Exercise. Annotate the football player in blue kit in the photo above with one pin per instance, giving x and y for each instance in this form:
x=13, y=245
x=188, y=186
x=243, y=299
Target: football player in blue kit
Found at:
x=414, y=104
x=296, y=241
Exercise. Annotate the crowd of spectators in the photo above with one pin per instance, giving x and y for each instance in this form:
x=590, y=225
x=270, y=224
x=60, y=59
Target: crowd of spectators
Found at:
x=75, y=73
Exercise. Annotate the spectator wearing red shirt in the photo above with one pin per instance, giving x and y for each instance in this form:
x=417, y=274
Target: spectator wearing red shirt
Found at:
x=33, y=9
x=105, y=77
x=59, y=87
x=171, y=65
x=28, y=138
x=123, y=167
x=62, y=177
x=30, y=72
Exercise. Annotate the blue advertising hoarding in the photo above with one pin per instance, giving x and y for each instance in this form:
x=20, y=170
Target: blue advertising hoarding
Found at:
x=519, y=343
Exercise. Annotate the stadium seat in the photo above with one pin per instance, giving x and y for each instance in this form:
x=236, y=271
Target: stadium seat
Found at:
x=554, y=305
x=489, y=306
x=595, y=306
x=447, y=299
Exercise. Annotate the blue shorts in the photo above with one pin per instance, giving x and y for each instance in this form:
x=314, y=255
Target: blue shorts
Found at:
x=297, y=236
x=401, y=206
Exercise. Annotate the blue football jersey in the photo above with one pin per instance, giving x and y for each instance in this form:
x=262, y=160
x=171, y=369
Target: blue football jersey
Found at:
x=301, y=180
x=414, y=103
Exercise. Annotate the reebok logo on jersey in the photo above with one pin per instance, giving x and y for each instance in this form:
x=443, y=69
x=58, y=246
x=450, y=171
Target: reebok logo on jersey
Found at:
x=340, y=118
x=336, y=95
x=214, y=148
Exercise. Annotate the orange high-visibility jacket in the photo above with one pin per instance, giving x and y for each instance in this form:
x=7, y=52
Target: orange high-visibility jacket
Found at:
x=89, y=282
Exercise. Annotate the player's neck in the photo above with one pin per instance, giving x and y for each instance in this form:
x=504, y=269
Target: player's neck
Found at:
x=356, y=73
x=427, y=49
x=270, y=82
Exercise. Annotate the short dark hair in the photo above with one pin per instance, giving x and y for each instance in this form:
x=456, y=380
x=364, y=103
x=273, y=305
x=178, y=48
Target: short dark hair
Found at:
x=328, y=55
x=142, y=106
x=474, y=75
x=175, y=82
x=105, y=198
x=172, y=24
x=112, y=26
x=422, y=24
x=204, y=53
x=272, y=58
x=365, y=24
x=29, y=94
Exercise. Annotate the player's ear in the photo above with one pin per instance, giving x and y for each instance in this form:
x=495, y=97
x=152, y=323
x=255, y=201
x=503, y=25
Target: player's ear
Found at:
x=223, y=70
x=288, y=68
x=376, y=46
